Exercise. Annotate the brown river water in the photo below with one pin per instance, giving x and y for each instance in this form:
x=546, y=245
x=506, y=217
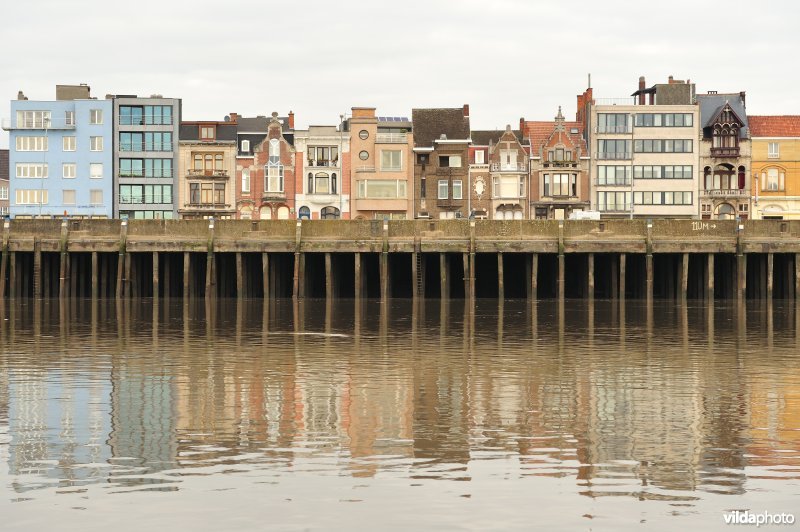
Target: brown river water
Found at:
x=315, y=415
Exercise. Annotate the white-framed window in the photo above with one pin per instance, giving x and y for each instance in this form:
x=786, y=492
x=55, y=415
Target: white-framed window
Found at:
x=96, y=116
x=68, y=197
x=96, y=143
x=3, y=193
x=33, y=119
x=443, y=192
x=773, y=150
x=245, y=175
x=245, y=145
x=31, y=170
x=391, y=160
x=273, y=178
x=457, y=189
x=31, y=143
x=95, y=196
x=96, y=170
x=68, y=170
x=509, y=186
x=381, y=189
x=30, y=197
x=69, y=118
x=773, y=179
x=449, y=161
x=480, y=156
x=68, y=143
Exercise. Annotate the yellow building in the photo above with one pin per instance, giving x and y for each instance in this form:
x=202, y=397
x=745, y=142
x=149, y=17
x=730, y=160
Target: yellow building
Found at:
x=776, y=167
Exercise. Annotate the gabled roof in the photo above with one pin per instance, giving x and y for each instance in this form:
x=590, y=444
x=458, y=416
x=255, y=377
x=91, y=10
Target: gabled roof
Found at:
x=259, y=124
x=191, y=130
x=539, y=132
x=711, y=106
x=482, y=137
x=430, y=124
x=775, y=126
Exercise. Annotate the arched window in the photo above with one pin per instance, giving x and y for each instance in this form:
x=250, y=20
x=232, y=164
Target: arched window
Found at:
x=310, y=188
x=245, y=213
x=304, y=213
x=283, y=212
x=218, y=162
x=333, y=183
x=329, y=213
x=321, y=183
x=742, y=175
x=265, y=213
x=708, y=184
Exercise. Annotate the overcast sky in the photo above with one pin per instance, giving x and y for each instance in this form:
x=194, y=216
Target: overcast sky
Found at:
x=319, y=58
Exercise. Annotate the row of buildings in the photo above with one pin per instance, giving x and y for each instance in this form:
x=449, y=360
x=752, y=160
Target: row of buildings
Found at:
x=664, y=151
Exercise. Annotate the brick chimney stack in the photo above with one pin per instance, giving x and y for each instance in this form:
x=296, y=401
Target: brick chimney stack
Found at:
x=291, y=120
x=466, y=110
x=234, y=117
x=641, y=88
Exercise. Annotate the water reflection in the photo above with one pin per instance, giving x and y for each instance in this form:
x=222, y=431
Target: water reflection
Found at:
x=660, y=401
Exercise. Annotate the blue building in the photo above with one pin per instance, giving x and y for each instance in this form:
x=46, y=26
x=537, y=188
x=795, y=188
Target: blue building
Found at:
x=61, y=155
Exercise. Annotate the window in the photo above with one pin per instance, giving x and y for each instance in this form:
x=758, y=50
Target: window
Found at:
x=245, y=146
x=449, y=161
x=68, y=197
x=773, y=150
x=68, y=143
x=96, y=143
x=662, y=198
x=95, y=116
x=423, y=186
x=480, y=156
x=363, y=155
x=207, y=193
x=145, y=168
x=207, y=132
x=96, y=170
x=69, y=118
x=30, y=197
x=773, y=180
x=423, y=158
x=246, y=179
x=508, y=159
x=363, y=134
x=664, y=120
x=145, y=194
x=613, y=175
x=273, y=178
x=68, y=170
x=457, y=189
x=662, y=172
x=613, y=123
x=329, y=213
x=662, y=146
x=31, y=144
x=323, y=155
x=508, y=187
x=391, y=160
x=159, y=141
x=613, y=149
x=3, y=193
x=27, y=170
x=33, y=119
x=614, y=201
x=158, y=115
x=321, y=183
x=382, y=189
x=443, y=192
x=131, y=142
x=148, y=215
x=95, y=197
x=556, y=185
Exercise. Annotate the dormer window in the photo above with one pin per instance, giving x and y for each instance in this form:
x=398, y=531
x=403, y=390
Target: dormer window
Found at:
x=725, y=137
x=245, y=146
x=207, y=132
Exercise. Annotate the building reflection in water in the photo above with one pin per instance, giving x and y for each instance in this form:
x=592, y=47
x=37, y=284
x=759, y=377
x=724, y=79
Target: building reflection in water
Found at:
x=631, y=400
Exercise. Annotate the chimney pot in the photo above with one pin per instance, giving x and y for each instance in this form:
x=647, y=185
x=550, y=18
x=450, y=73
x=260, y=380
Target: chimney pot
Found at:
x=291, y=119
x=466, y=110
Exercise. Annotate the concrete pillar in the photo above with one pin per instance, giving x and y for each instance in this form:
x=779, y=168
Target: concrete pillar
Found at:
x=95, y=278
x=296, y=276
x=501, y=286
x=239, y=276
x=534, y=292
x=210, y=284
x=358, y=275
x=770, y=274
x=622, y=264
x=12, y=275
x=649, y=275
x=265, y=274
x=590, y=276
x=187, y=261
x=301, y=275
x=37, y=268
x=684, y=275
x=710, y=276
x=443, y=292
x=328, y=277
x=156, y=275
x=467, y=274
x=415, y=257
x=561, y=276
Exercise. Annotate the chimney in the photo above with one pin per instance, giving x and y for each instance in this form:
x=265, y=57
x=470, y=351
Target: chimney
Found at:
x=234, y=117
x=744, y=101
x=522, y=125
x=671, y=79
x=466, y=110
x=291, y=120
x=21, y=96
x=641, y=89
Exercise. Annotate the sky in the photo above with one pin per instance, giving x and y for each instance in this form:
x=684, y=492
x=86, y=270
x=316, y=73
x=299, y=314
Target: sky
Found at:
x=506, y=58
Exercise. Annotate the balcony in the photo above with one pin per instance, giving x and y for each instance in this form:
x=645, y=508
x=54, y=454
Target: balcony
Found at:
x=391, y=138
x=10, y=124
x=725, y=152
x=273, y=195
x=726, y=193
x=365, y=168
x=560, y=164
x=141, y=146
x=320, y=163
x=613, y=155
x=207, y=206
x=212, y=174
x=503, y=167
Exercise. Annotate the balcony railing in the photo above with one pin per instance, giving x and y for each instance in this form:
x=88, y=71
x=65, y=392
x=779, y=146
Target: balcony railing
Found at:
x=9, y=124
x=206, y=206
x=726, y=193
x=221, y=174
x=614, y=155
x=503, y=167
x=141, y=146
x=560, y=164
x=725, y=152
x=391, y=138
x=610, y=183
x=614, y=129
x=365, y=169
x=144, y=121
x=320, y=163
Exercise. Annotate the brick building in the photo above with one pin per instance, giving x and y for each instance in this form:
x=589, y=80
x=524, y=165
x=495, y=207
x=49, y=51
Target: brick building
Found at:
x=3, y=182
x=273, y=177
